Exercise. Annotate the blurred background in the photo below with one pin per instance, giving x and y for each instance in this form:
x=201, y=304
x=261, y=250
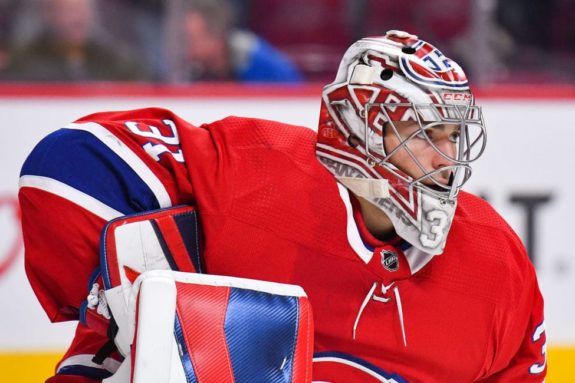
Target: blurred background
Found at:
x=206, y=59
x=180, y=41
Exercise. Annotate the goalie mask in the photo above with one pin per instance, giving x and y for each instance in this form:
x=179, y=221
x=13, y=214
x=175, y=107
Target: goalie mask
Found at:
x=399, y=127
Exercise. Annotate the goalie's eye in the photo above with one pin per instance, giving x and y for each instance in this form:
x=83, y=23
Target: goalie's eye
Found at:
x=435, y=133
x=425, y=134
x=454, y=136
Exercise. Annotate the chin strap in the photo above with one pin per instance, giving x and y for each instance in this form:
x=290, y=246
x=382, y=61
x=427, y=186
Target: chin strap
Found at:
x=366, y=187
x=371, y=295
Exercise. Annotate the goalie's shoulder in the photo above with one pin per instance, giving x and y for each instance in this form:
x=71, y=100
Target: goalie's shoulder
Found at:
x=257, y=132
x=488, y=235
x=474, y=211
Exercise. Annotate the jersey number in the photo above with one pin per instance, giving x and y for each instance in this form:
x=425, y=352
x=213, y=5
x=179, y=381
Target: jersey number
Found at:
x=157, y=144
x=438, y=220
x=538, y=368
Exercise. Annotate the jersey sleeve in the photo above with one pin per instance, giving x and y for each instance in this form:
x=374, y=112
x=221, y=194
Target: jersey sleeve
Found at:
x=78, y=178
x=75, y=180
x=519, y=337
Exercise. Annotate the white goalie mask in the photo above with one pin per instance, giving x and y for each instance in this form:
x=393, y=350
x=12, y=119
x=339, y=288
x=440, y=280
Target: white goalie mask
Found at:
x=392, y=96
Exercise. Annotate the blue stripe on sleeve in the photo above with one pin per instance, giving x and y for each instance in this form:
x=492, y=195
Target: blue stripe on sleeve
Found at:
x=80, y=160
x=261, y=332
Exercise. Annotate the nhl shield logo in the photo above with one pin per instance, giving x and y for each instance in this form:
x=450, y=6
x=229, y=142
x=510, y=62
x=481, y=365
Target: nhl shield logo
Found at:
x=389, y=260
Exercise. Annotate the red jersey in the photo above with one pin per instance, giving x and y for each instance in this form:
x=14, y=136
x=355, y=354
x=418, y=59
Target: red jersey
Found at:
x=383, y=311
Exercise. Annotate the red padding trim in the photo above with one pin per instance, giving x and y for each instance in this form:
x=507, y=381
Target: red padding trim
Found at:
x=173, y=239
x=302, y=365
x=202, y=312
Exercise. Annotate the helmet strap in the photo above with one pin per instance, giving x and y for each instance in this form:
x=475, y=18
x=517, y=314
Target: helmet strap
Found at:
x=366, y=187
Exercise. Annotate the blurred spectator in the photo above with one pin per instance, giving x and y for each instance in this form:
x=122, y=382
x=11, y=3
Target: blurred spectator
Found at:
x=544, y=36
x=216, y=52
x=69, y=48
x=314, y=34
x=141, y=23
x=6, y=10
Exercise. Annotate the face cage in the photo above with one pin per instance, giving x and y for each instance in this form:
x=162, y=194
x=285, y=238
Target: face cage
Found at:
x=469, y=148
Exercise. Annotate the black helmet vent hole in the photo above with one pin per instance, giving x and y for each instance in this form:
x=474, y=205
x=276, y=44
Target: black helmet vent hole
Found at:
x=386, y=74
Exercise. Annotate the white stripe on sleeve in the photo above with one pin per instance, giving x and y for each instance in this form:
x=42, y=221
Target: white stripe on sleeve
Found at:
x=71, y=194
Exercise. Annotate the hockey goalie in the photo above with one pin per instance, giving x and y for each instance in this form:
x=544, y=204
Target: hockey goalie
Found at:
x=202, y=253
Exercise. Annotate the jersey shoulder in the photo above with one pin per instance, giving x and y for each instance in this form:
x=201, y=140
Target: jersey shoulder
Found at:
x=482, y=242
x=471, y=207
x=256, y=132
x=152, y=113
x=486, y=228
x=265, y=140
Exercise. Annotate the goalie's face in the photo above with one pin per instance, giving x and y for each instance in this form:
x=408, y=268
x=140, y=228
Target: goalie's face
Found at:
x=428, y=146
x=427, y=155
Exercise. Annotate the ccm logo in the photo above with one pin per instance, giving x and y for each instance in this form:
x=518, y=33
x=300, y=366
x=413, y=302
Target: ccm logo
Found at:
x=456, y=97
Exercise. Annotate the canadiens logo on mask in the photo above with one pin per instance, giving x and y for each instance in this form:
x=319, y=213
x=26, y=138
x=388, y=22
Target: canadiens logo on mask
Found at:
x=382, y=85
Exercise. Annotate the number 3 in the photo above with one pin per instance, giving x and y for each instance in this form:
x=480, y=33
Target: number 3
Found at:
x=538, y=368
x=438, y=220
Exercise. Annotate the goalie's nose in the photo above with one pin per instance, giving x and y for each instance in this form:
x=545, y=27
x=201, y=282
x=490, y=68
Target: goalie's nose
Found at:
x=445, y=149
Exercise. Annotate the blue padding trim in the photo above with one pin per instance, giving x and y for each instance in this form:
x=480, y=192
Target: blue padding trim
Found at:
x=80, y=160
x=93, y=278
x=104, y=255
x=261, y=331
x=89, y=372
x=367, y=365
x=184, y=354
x=189, y=227
x=83, y=309
x=84, y=306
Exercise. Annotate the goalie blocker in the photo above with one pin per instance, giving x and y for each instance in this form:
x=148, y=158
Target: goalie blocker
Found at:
x=173, y=324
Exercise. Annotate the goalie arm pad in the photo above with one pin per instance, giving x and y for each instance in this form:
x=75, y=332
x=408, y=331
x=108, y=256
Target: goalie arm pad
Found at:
x=160, y=239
